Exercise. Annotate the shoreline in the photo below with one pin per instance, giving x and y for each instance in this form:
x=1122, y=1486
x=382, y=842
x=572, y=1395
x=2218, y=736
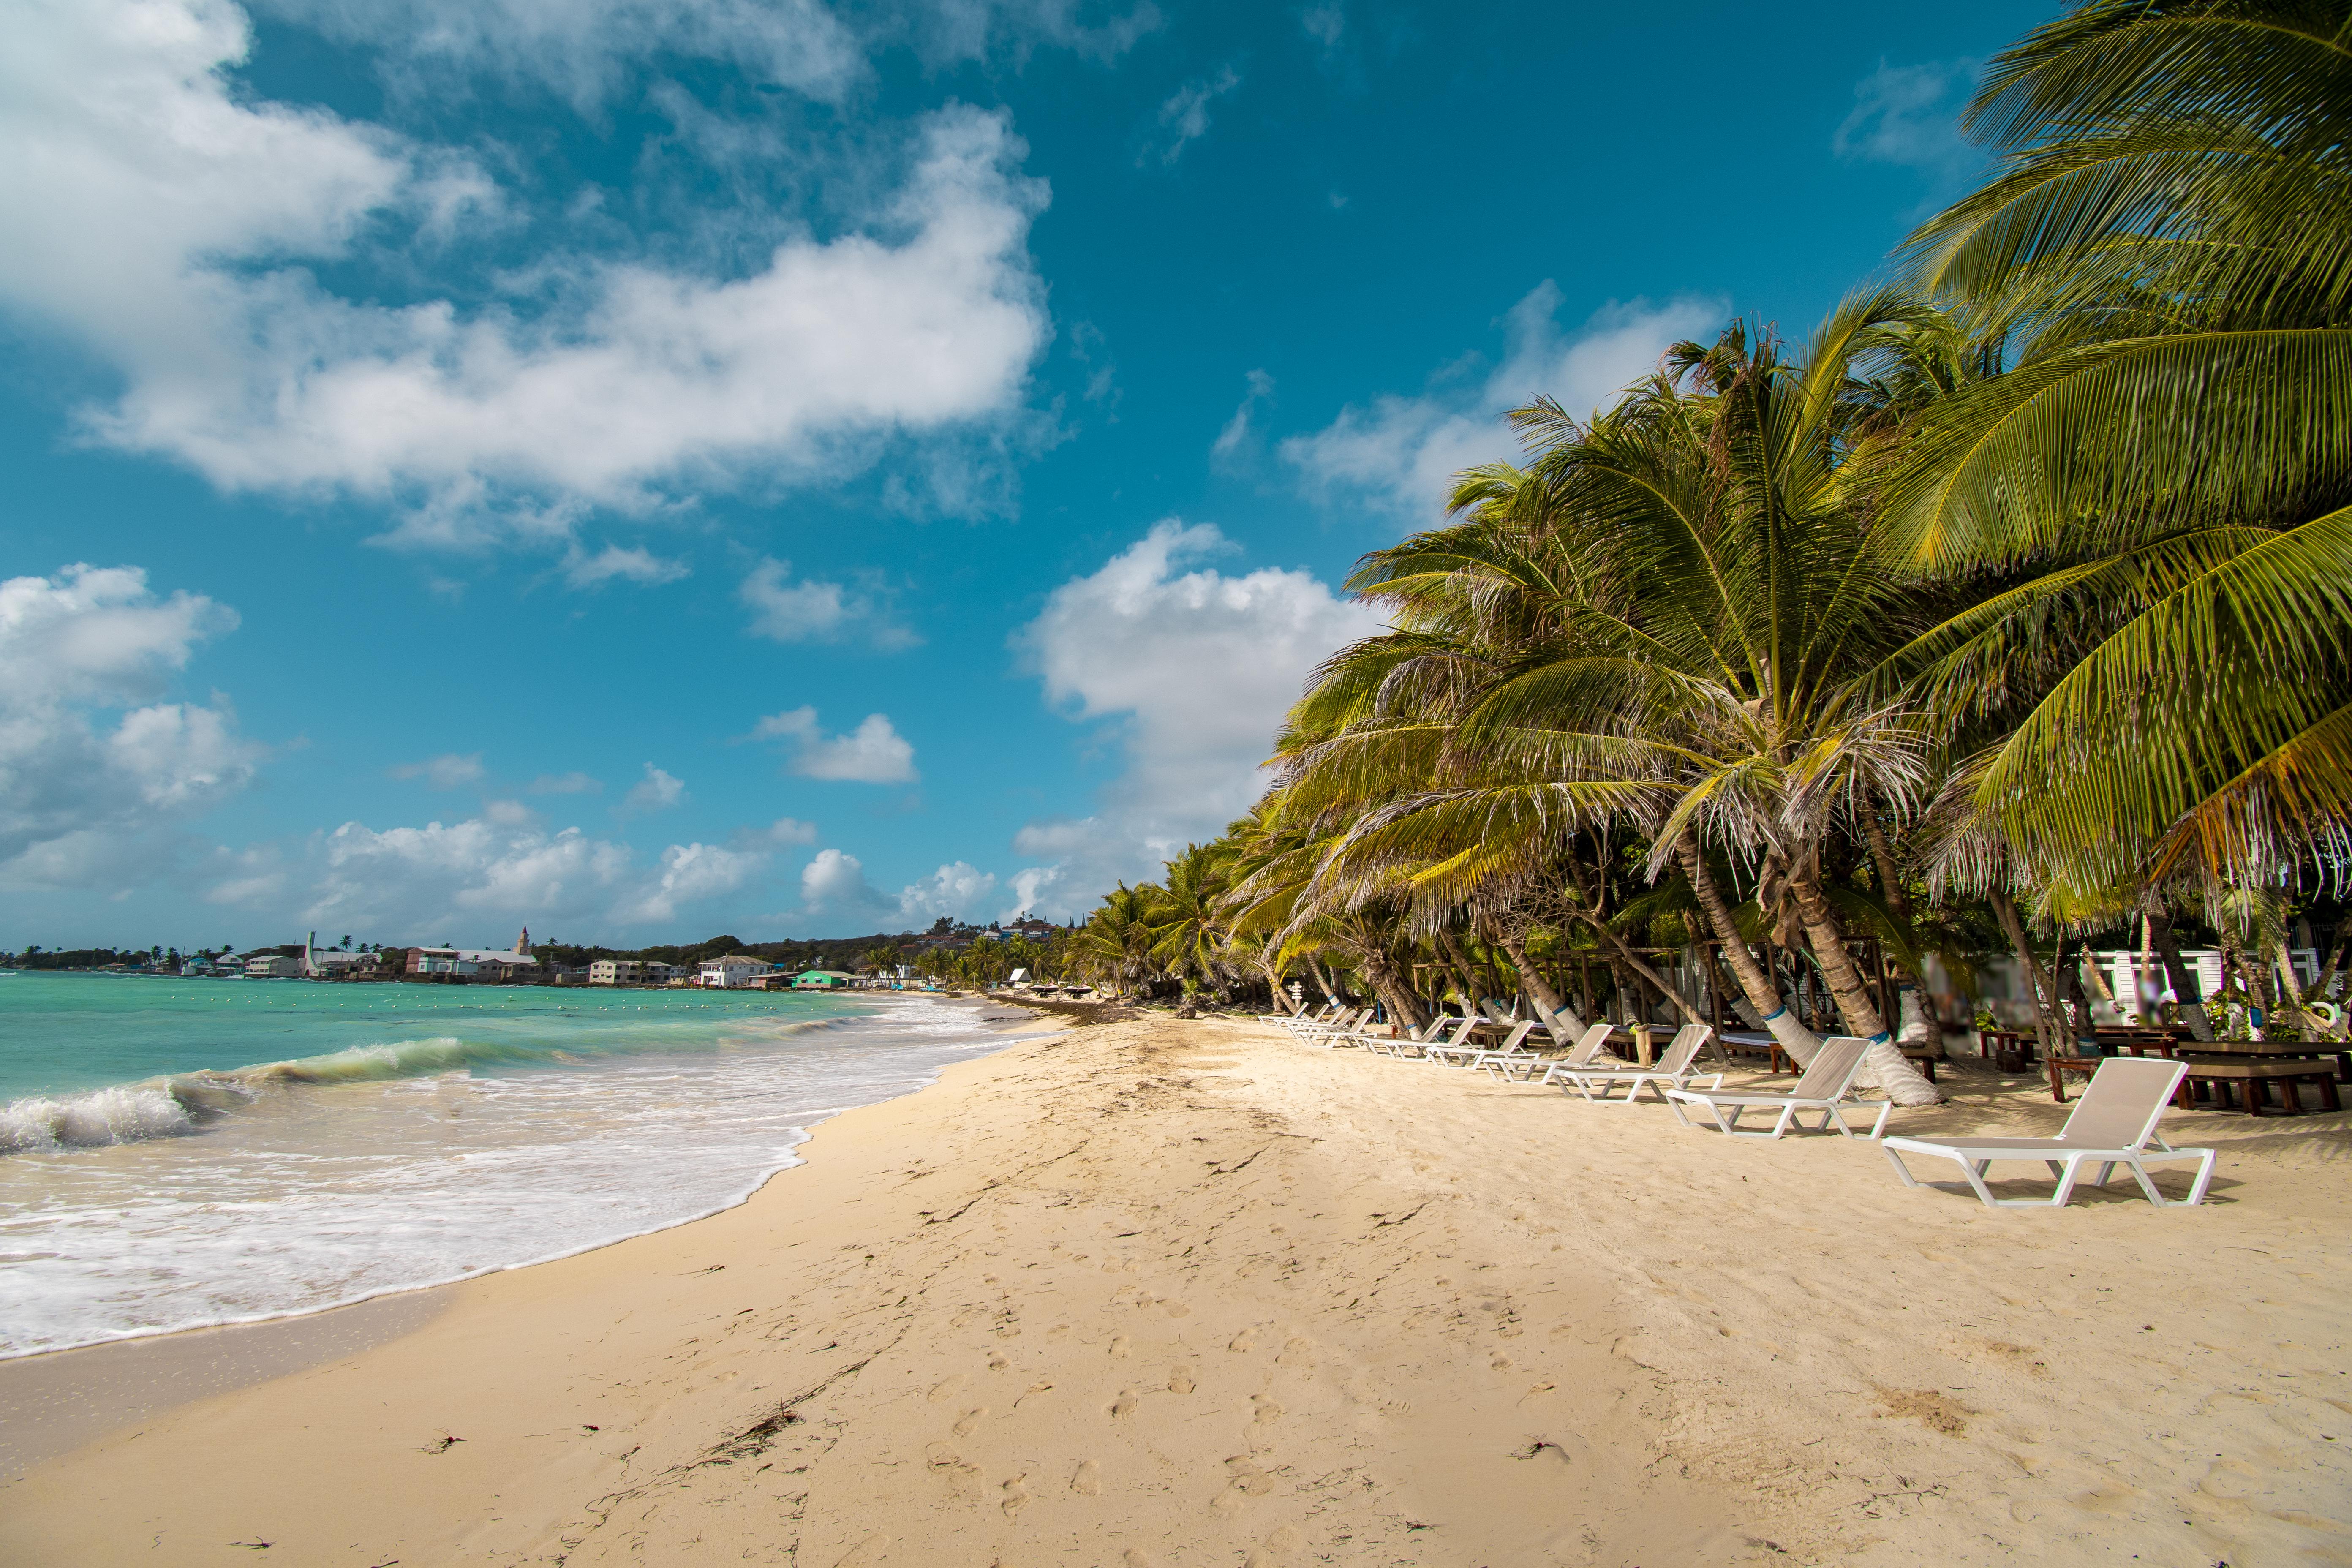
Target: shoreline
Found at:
x=1176, y=1289
x=53, y=1400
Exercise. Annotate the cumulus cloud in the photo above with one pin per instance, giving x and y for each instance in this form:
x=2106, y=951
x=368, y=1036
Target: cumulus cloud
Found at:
x=1401, y=454
x=1194, y=668
x=91, y=765
x=958, y=890
x=447, y=771
x=1910, y=115
x=813, y=610
x=688, y=873
x=874, y=752
x=565, y=784
x=834, y=886
x=1184, y=118
x=173, y=224
x=1324, y=24
x=657, y=791
x=507, y=814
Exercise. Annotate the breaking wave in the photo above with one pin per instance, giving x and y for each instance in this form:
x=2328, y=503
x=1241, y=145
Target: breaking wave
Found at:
x=175, y=1106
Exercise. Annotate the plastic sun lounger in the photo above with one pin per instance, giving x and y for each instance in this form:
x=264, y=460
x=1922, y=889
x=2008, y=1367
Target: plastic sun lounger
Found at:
x=1322, y=1017
x=1327, y=1034
x=1586, y=1050
x=1438, y=1037
x=1824, y=1087
x=1471, y=1056
x=1292, y=1020
x=1674, y=1070
x=2112, y=1124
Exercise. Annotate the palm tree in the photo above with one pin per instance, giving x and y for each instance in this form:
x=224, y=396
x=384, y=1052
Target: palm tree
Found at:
x=2161, y=467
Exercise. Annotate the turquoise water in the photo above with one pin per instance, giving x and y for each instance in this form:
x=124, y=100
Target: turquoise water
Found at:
x=176, y=1153
x=62, y=1034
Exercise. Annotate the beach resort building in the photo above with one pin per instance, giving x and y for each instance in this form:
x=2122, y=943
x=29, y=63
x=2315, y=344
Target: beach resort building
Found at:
x=730, y=971
x=272, y=966
x=822, y=980
x=630, y=971
x=477, y=962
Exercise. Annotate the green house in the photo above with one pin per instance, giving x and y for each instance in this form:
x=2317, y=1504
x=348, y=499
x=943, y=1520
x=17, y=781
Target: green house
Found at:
x=821, y=980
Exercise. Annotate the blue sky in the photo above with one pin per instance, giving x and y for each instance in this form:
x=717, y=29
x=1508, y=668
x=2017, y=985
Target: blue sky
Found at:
x=645, y=467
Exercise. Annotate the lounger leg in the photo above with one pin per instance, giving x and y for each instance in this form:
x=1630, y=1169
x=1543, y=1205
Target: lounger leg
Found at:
x=1901, y=1169
x=1878, y=1127
x=1976, y=1170
x=1730, y=1128
x=1676, y=1107
x=1780, y=1123
x=2204, y=1178
x=2067, y=1184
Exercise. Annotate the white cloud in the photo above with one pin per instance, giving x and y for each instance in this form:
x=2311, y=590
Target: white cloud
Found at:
x=1324, y=23
x=80, y=799
x=1198, y=669
x=783, y=833
x=1184, y=118
x=833, y=885
x=957, y=891
x=588, y=50
x=815, y=611
x=168, y=222
x=657, y=791
x=1238, y=432
x=565, y=784
x=637, y=565
x=690, y=872
x=874, y=752
x=1401, y=453
x=1910, y=115
x=508, y=813
x=948, y=31
x=448, y=771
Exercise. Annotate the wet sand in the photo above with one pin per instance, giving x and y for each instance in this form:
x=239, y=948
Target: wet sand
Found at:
x=1165, y=1293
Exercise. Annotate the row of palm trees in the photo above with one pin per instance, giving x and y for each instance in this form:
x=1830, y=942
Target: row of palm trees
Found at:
x=2016, y=600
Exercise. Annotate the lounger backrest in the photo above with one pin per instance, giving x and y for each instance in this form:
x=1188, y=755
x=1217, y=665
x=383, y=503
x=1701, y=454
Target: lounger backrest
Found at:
x=1462, y=1027
x=2125, y=1098
x=1519, y=1031
x=1832, y=1071
x=1685, y=1049
x=1590, y=1045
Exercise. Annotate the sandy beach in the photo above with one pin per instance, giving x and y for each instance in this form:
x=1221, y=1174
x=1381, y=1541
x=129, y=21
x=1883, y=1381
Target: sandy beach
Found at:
x=1188, y=1293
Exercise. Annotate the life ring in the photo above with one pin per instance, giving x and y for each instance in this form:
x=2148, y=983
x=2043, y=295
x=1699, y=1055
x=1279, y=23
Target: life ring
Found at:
x=2328, y=1014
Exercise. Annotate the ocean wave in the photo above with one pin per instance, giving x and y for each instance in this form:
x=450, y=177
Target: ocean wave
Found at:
x=175, y=1106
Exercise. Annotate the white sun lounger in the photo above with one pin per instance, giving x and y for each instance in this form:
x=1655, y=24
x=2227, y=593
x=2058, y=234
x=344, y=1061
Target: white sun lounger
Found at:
x=1824, y=1087
x=1295, y=1021
x=2112, y=1124
x=1523, y=1064
x=1344, y=1025
x=1672, y=1070
x=1444, y=1033
x=1470, y=1055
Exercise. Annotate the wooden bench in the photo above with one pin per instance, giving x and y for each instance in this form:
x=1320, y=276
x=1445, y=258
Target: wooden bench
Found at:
x=2246, y=1081
x=1924, y=1059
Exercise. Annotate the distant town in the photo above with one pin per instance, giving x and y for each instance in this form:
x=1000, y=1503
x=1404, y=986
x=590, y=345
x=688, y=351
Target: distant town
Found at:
x=1025, y=951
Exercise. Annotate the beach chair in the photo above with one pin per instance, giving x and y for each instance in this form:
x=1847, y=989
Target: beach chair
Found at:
x=1583, y=1054
x=1291, y=1020
x=1327, y=1034
x=1470, y=1055
x=1318, y=1019
x=2112, y=1124
x=1443, y=1033
x=1824, y=1087
x=1675, y=1069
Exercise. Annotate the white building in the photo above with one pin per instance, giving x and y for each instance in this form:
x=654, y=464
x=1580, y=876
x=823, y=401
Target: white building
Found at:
x=477, y=962
x=730, y=971
x=629, y=972
x=272, y=966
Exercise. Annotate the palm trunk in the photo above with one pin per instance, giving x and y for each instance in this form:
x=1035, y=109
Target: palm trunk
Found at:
x=2005, y=908
x=2187, y=994
x=1466, y=975
x=1623, y=955
x=1884, y=1061
x=1772, y=1010
x=1379, y=973
x=1550, y=1006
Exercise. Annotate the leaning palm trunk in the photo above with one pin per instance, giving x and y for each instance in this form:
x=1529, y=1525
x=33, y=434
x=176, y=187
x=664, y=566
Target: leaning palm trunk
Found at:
x=2004, y=907
x=1559, y=1017
x=1772, y=1010
x=1884, y=1062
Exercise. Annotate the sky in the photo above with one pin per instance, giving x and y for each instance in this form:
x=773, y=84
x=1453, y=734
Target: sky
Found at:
x=649, y=468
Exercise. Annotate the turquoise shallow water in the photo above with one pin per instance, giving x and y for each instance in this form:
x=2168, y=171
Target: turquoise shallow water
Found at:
x=176, y=1153
x=61, y=1034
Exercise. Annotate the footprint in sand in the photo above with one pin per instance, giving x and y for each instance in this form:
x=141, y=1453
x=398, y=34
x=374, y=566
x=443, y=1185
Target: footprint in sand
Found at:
x=1501, y=1363
x=1278, y=1547
x=997, y=1363
x=1135, y=1557
x=1179, y=1382
x=1124, y=1404
x=1086, y=1479
x=870, y=1550
x=1177, y=1309
x=969, y=1420
x=1268, y=1411
x=1243, y=1481
x=1296, y=1353
x=1118, y=1345
x=943, y=1392
x=1243, y=1341
x=1017, y=1496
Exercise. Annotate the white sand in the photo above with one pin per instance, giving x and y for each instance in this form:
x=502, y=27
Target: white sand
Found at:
x=1163, y=1293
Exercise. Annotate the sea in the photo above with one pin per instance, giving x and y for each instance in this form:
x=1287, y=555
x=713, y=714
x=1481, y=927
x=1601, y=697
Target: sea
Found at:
x=176, y=1153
